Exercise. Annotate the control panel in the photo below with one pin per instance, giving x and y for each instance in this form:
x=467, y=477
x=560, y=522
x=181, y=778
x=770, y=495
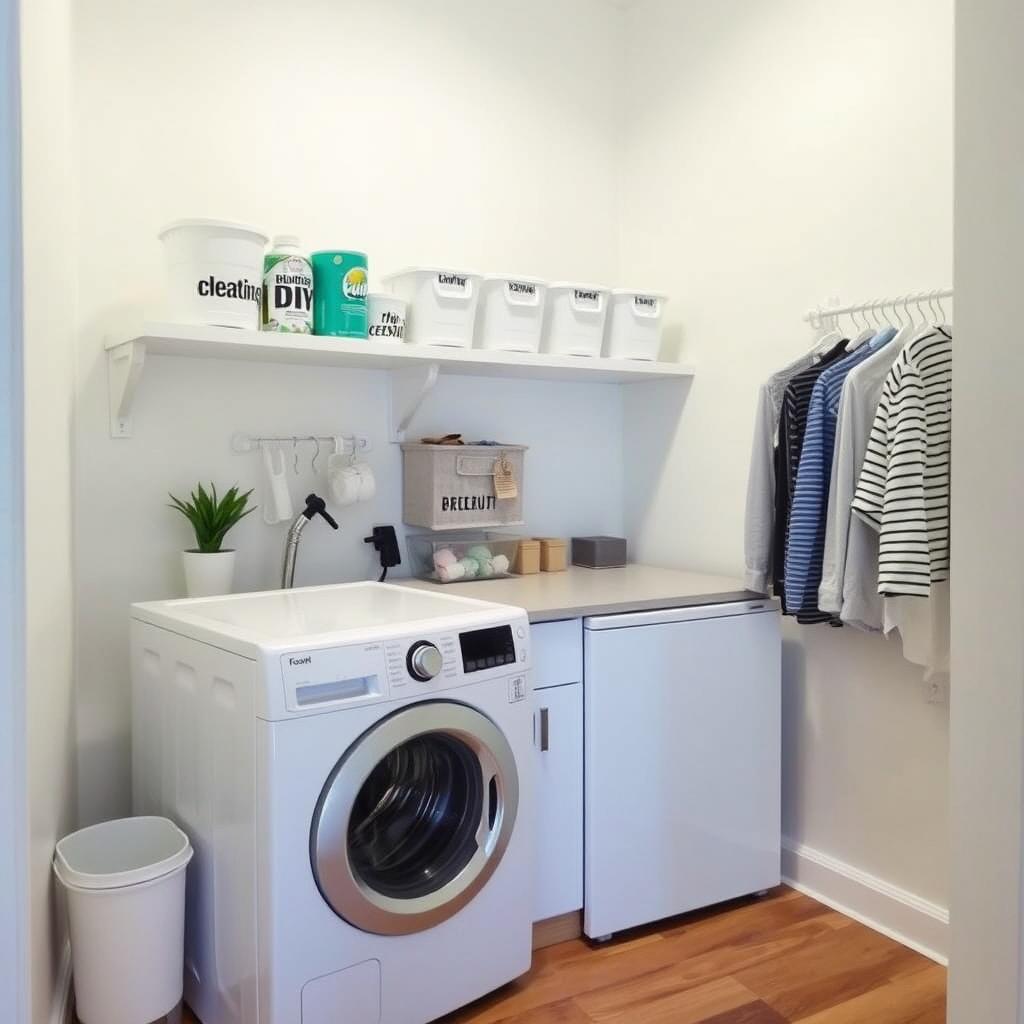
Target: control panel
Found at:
x=405, y=666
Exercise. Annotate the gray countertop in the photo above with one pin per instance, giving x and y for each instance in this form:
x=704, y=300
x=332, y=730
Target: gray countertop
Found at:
x=547, y=596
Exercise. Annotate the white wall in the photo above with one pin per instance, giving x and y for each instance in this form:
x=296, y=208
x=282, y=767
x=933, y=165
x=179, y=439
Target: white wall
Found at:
x=49, y=310
x=449, y=132
x=775, y=155
x=987, y=710
x=14, y=903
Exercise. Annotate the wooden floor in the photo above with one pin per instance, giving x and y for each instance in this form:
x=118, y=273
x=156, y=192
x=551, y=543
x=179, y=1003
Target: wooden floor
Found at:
x=781, y=959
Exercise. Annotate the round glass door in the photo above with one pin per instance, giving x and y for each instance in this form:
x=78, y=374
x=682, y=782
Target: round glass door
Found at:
x=415, y=818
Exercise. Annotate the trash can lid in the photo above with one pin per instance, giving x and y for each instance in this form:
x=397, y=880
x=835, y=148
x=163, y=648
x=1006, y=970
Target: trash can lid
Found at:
x=125, y=851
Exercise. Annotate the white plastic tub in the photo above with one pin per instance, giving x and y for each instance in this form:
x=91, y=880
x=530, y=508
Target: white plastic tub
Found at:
x=574, y=324
x=385, y=317
x=441, y=304
x=214, y=272
x=125, y=885
x=634, y=330
x=511, y=313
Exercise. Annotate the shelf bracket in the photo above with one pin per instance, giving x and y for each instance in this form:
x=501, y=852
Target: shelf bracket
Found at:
x=124, y=371
x=408, y=391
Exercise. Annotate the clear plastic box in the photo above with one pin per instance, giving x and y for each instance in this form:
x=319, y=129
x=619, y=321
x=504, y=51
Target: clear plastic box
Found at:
x=460, y=558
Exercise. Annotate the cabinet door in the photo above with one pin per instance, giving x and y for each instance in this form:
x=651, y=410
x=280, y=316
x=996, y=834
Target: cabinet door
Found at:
x=682, y=763
x=558, y=753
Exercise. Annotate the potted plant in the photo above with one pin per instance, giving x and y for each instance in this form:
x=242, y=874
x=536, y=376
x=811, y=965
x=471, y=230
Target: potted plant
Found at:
x=209, y=568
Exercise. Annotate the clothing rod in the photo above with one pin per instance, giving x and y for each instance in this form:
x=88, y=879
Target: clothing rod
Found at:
x=819, y=314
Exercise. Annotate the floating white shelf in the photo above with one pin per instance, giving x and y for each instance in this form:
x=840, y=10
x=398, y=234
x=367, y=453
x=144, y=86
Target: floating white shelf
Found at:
x=418, y=366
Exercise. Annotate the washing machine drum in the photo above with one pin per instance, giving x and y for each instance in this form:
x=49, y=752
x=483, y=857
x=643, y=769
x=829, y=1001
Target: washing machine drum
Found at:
x=414, y=818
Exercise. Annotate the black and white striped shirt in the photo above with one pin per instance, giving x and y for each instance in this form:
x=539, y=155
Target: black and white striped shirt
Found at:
x=903, y=489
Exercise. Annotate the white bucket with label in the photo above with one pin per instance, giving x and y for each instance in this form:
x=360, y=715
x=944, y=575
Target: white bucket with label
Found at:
x=574, y=325
x=511, y=313
x=386, y=317
x=214, y=272
x=441, y=304
x=634, y=331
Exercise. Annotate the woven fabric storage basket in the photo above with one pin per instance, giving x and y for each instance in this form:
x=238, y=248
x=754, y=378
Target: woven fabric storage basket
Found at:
x=447, y=487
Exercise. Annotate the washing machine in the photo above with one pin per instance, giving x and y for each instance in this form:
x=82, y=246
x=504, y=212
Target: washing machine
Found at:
x=352, y=765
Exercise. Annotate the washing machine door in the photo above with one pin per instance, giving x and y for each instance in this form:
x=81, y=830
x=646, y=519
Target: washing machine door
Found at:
x=415, y=818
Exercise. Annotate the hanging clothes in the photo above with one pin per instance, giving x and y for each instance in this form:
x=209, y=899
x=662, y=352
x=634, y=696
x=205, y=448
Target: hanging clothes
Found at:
x=849, y=565
x=806, y=538
x=761, y=482
x=903, y=493
x=792, y=425
x=903, y=490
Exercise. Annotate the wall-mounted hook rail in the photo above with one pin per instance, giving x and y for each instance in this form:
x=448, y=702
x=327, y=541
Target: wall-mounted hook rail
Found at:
x=355, y=444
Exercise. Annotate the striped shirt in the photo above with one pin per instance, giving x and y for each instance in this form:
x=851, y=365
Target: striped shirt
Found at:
x=792, y=422
x=903, y=490
x=805, y=545
x=757, y=535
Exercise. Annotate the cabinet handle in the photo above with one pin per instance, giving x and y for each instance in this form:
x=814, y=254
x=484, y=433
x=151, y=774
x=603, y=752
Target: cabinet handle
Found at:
x=544, y=729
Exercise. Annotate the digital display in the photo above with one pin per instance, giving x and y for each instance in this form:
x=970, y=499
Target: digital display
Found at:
x=487, y=648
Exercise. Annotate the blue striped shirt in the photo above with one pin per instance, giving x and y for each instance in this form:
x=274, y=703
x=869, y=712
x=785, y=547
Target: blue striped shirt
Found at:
x=805, y=543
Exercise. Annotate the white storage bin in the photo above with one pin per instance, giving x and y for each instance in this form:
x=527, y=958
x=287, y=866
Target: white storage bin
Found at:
x=447, y=487
x=125, y=885
x=386, y=317
x=214, y=273
x=441, y=304
x=634, y=329
x=574, y=324
x=511, y=313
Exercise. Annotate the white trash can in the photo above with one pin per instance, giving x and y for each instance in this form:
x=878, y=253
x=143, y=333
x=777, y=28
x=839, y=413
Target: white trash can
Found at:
x=125, y=884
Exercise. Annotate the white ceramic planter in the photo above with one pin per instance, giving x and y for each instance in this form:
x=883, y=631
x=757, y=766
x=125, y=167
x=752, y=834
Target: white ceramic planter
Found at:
x=208, y=574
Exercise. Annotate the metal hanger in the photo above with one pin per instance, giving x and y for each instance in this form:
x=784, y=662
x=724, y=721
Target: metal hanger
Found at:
x=316, y=454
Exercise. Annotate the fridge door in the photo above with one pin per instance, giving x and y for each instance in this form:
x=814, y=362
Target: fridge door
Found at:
x=682, y=761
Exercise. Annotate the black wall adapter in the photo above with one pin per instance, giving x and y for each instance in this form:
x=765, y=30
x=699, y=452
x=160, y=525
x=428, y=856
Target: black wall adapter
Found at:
x=385, y=543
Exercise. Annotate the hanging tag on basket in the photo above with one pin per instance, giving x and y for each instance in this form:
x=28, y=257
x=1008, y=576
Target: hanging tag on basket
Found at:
x=505, y=485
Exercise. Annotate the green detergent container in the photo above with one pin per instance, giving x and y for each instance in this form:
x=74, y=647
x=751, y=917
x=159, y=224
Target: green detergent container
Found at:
x=339, y=293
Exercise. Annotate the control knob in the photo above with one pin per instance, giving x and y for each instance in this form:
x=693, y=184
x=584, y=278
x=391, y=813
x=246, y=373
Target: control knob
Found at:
x=424, y=661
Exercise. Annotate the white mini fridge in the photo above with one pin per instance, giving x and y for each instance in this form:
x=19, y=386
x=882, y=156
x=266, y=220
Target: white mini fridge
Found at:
x=682, y=725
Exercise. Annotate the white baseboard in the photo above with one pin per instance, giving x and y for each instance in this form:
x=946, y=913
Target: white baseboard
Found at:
x=63, y=996
x=909, y=919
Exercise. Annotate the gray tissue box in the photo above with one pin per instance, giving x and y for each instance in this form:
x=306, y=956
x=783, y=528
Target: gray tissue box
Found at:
x=599, y=552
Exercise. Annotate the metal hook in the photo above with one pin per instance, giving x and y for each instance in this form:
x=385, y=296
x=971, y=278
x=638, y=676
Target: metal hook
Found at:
x=316, y=454
x=896, y=311
x=938, y=302
x=295, y=455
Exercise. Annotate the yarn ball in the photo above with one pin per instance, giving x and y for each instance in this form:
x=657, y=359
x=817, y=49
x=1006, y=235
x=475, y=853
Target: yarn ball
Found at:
x=486, y=568
x=451, y=573
x=445, y=557
x=500, y=565
x=471, y=567
x=480, y=552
